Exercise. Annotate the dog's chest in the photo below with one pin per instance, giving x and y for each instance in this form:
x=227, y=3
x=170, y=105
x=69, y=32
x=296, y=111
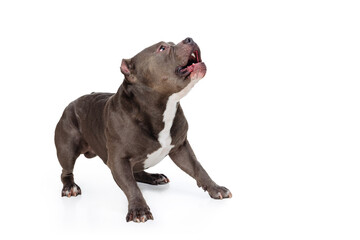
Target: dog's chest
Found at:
x=164, y=137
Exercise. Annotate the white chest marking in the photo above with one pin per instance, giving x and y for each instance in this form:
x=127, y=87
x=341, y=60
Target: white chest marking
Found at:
x=164, y=136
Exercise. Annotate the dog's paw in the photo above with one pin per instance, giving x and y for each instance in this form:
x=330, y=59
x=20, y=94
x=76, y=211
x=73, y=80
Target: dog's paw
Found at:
x=151, y=178
x=138, y=215
x=158, y=179
x=218, y=192
x=71, y=190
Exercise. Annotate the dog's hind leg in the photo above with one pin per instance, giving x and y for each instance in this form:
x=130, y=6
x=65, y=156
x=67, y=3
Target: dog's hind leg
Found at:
x=151, y=178
x=68, y=146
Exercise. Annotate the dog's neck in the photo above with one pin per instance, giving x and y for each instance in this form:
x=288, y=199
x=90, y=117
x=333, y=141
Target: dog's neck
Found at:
x=144, y=105
x=154, y=111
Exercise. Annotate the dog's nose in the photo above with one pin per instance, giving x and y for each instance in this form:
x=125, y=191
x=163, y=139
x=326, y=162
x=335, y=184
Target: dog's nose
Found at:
x=188, y=41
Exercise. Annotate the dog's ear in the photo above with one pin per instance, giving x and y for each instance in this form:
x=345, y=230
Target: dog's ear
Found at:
x=126, y=68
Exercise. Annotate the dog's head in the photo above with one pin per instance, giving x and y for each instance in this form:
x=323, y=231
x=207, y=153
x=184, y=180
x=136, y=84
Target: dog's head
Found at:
x=165, y=67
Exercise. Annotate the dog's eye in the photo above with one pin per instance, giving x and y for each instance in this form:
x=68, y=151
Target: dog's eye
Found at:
x=162, y=48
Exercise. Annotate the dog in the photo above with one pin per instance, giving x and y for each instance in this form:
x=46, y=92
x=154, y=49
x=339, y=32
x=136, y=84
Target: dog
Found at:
x=138, y=126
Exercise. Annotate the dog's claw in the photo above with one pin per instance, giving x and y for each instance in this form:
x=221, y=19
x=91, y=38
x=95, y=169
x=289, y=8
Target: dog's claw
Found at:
x=220, y=196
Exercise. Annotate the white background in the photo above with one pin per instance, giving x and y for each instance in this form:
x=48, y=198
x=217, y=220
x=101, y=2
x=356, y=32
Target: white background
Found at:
x=276, y=119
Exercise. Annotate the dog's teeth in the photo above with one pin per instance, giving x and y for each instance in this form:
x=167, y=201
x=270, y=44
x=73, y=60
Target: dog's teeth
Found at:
x=193, y=54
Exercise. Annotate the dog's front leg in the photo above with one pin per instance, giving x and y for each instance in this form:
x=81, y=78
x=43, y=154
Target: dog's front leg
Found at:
x=123, y=175
x=184, y=158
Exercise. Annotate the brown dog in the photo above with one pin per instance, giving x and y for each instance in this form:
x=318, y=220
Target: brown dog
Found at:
x=138, y=126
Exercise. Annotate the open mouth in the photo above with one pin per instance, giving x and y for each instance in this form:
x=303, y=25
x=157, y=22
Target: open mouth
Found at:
x=194, y=59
